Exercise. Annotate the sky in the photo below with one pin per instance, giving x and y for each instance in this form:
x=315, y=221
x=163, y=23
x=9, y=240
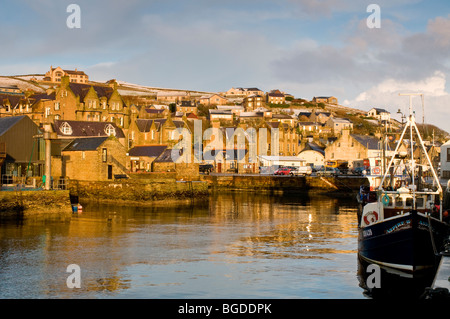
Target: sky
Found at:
x=303, y=47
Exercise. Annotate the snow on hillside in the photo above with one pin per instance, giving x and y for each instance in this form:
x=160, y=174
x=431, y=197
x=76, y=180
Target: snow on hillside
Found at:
x=21, y=84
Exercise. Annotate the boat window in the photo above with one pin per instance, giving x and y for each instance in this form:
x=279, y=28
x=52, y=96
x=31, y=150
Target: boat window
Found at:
x=409, y=202
x=398, y=202
x=420, y=203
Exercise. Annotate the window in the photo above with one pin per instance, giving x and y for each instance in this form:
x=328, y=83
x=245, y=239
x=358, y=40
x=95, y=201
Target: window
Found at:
x=153, y=134
x=409, y=203
x=47, y=112
x=448, y=154
x=110, y=130
x=83, y=155
x=104, y=155
x=420, y=203
x=66, y=129
x=56, y=106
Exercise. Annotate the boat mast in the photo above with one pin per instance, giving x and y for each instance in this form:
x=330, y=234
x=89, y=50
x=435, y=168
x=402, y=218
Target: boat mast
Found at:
x=412, y=125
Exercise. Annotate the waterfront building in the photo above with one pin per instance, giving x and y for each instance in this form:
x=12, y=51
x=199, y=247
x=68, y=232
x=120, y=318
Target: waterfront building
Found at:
x=22, y=149
x=92, y=159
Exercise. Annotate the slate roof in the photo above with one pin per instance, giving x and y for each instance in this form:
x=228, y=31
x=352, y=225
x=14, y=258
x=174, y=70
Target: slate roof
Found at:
x=367, y=141
x=7, y=122
x=147, y=150
x=165, y=157
x=85, y=144
x=379, y=111
x=87, y=128
x=313, y=146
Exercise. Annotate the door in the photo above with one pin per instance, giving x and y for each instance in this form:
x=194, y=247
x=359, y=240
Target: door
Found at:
x=110, y=171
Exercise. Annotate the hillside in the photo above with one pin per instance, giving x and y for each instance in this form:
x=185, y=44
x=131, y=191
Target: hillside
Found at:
x=135, y=92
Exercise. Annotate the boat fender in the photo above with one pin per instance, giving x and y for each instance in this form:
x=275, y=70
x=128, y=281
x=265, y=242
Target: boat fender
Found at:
x=385, y=200
x=373, y=219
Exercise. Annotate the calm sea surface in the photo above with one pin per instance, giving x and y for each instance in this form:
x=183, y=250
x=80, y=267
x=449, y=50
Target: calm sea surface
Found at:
x=230, y=246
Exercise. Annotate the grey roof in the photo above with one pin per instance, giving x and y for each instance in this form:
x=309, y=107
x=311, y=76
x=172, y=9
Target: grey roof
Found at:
x=165, y=157
x=85, y=144
x=7, y=122
x=87, y=128
x=372, y=143
x=147, y=150
x=380, y=110
x=313, y=146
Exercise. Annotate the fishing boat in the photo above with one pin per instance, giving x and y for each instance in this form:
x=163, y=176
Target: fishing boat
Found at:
x=402, y=225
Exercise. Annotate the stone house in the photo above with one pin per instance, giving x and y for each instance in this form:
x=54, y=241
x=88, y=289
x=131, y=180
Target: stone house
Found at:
x=253, y=102
x=320, y=117
x=235, y=92
x=155, y=131
x=353, y=148
x=220, y=115
x=69, y=130
x=275, y=97
x=338, y=124
x=325, y=99
x=214, y=99
x=253, y=91
x=187, y=107
x=93, y=159
x=142, y=157
x=15, y=105
x=84, y=102
x=56, y=75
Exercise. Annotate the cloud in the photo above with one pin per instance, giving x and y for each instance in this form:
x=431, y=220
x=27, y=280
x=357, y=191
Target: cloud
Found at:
x=386, y=95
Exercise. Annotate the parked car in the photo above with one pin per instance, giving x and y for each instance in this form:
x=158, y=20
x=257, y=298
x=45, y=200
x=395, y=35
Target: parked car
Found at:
x=359, y=170
x=283, y=171
x=302, y=170
x=206, y=168
x=330, y=171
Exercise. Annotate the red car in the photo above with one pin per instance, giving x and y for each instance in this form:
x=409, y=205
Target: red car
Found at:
x=283, y=171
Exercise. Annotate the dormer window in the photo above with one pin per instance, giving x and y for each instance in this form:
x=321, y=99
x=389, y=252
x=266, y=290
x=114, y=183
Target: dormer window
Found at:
x=66, y=129
x=110, y=130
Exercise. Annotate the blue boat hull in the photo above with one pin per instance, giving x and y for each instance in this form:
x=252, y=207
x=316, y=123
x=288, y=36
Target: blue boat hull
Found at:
x=404, y=243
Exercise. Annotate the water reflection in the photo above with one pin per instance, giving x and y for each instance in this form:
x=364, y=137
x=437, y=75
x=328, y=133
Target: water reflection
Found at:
x=230, y=246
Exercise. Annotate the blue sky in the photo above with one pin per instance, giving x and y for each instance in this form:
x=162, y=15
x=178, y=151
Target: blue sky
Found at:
x=303, y=47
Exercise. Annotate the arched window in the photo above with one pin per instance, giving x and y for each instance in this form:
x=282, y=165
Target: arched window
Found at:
x=110, y=130
x=66, y=129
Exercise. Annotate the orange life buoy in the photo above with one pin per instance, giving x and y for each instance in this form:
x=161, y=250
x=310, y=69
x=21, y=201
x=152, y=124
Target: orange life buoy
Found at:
x=376, y=170
x=373, y=219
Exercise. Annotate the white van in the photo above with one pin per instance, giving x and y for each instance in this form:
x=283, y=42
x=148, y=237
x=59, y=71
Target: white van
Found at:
x=302, y=170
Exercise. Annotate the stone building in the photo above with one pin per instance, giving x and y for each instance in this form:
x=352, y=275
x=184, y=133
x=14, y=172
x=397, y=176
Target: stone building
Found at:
x=93, y=159
x=154, y=131
x=56, y=75
x=84, y=102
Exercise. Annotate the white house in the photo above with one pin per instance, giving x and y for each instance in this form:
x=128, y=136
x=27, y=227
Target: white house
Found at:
x=380, y=114
x=313, y=155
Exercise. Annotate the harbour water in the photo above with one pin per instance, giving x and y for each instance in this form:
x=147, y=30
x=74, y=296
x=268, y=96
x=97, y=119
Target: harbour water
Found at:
x=238, y=245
